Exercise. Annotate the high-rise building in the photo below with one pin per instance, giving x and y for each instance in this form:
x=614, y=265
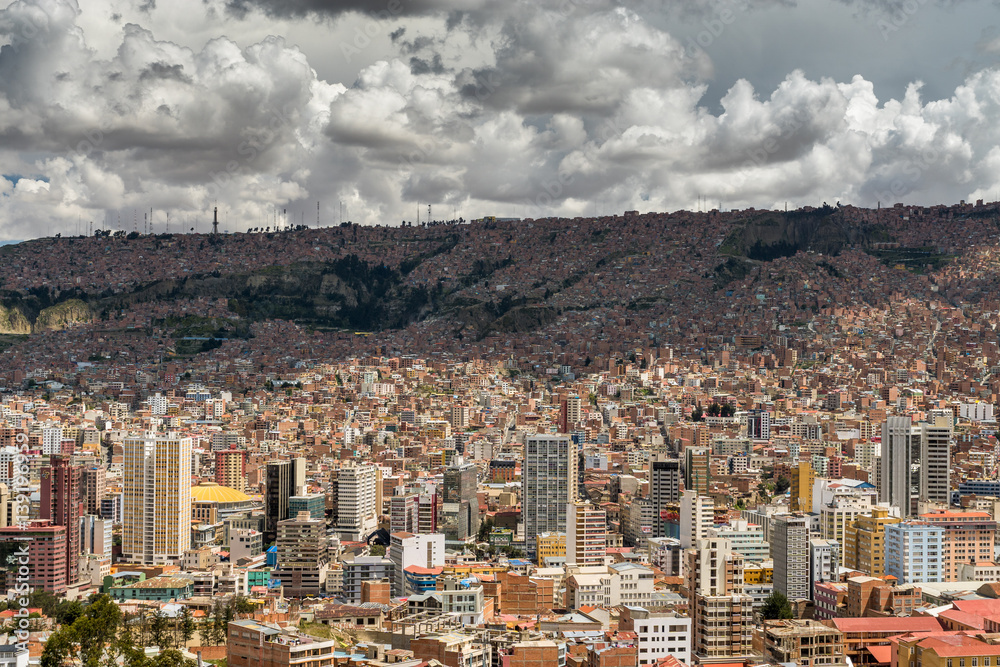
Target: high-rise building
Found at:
x=664, y=489
x=637, y=522
x=230, y=469
x=52, y=438
x=427, y=512
x=936, y=437
x=283, y=479
x=842, y=512
x=586, y=534
x=63, y=502
x=824, y=562
x=759, y=425
x=968, y=537
x=697, y=517
x=303, y=556
x=722, y=614
x=790, y=552
x=95, y=547
x=95, y=485
x=864, y=542
x=404, y=513
x=461, y=502
x=157, y=498
x=803, y=478
x=95, y=536
x=549, y=482
x=913, y=552
x=357, y=517
x=313, y=504
x=45, y=545
x=915, y=463
x=697, y=469
x=459, y=417
x=570, y=413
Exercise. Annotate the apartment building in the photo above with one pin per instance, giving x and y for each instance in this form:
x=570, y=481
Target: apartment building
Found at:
x=968, y=537
x=157, y=498
x=659, y=634
x=549, y=482
x=722, y=614
x=914, y=551
x=864, y=541
x=586, y=534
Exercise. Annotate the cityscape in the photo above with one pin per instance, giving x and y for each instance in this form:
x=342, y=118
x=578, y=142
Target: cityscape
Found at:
x=496, y=443
x=535, y=333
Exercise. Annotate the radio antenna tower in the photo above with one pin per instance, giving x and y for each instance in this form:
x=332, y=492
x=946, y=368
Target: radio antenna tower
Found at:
x=215, y=223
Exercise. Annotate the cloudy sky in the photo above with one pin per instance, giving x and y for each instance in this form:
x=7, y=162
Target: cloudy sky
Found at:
x=110, y=109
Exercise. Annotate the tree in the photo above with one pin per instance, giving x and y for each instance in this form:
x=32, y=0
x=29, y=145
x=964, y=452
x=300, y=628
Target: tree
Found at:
x=485, y=528
x=218, y=632
x=776, y=607
x=186, y=626
x=728, y=410
x=206, y=631
x=92, y=636
x=67, y=612
x=376, y=550
x=763, y=491
x=171, y=658
x=242, y=605
x=714, y=410
x=697, y=414
x=781, y=485
x=160, y=629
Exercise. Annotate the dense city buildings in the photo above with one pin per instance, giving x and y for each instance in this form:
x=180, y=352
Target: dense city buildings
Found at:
x=621, y=472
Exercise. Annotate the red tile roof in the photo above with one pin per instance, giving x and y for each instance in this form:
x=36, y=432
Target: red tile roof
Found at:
x=968, y=619
x=880, y=653
x=887, y=624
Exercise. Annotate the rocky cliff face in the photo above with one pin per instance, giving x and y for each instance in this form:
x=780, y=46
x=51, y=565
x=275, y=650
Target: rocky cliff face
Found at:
x=63, y=315
x=13, y=321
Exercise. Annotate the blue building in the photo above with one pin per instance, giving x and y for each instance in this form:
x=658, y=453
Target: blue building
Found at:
x=914, y=552
x=314, y=503
x=980, y=487
x=422, y=580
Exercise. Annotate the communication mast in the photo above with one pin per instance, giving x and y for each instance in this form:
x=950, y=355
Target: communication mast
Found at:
x=215, y=222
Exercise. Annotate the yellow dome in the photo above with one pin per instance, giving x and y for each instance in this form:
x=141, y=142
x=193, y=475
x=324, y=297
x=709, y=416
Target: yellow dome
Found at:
x=210, y=492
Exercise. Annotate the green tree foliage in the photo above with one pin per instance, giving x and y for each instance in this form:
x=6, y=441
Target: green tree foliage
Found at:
x=217, y=634
x=242, y=605
x=186, y=626
x=171, y=658
x=697, y=414
x=206, y=630
x=67, y=612
x=376, y=550
x=781, y=485
x=485, y=528
x=776, y=607
x=92, y=640
x=160, y=629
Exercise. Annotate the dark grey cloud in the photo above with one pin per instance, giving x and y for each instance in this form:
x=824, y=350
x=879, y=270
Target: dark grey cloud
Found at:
x=378, y=8
x=544, y=106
